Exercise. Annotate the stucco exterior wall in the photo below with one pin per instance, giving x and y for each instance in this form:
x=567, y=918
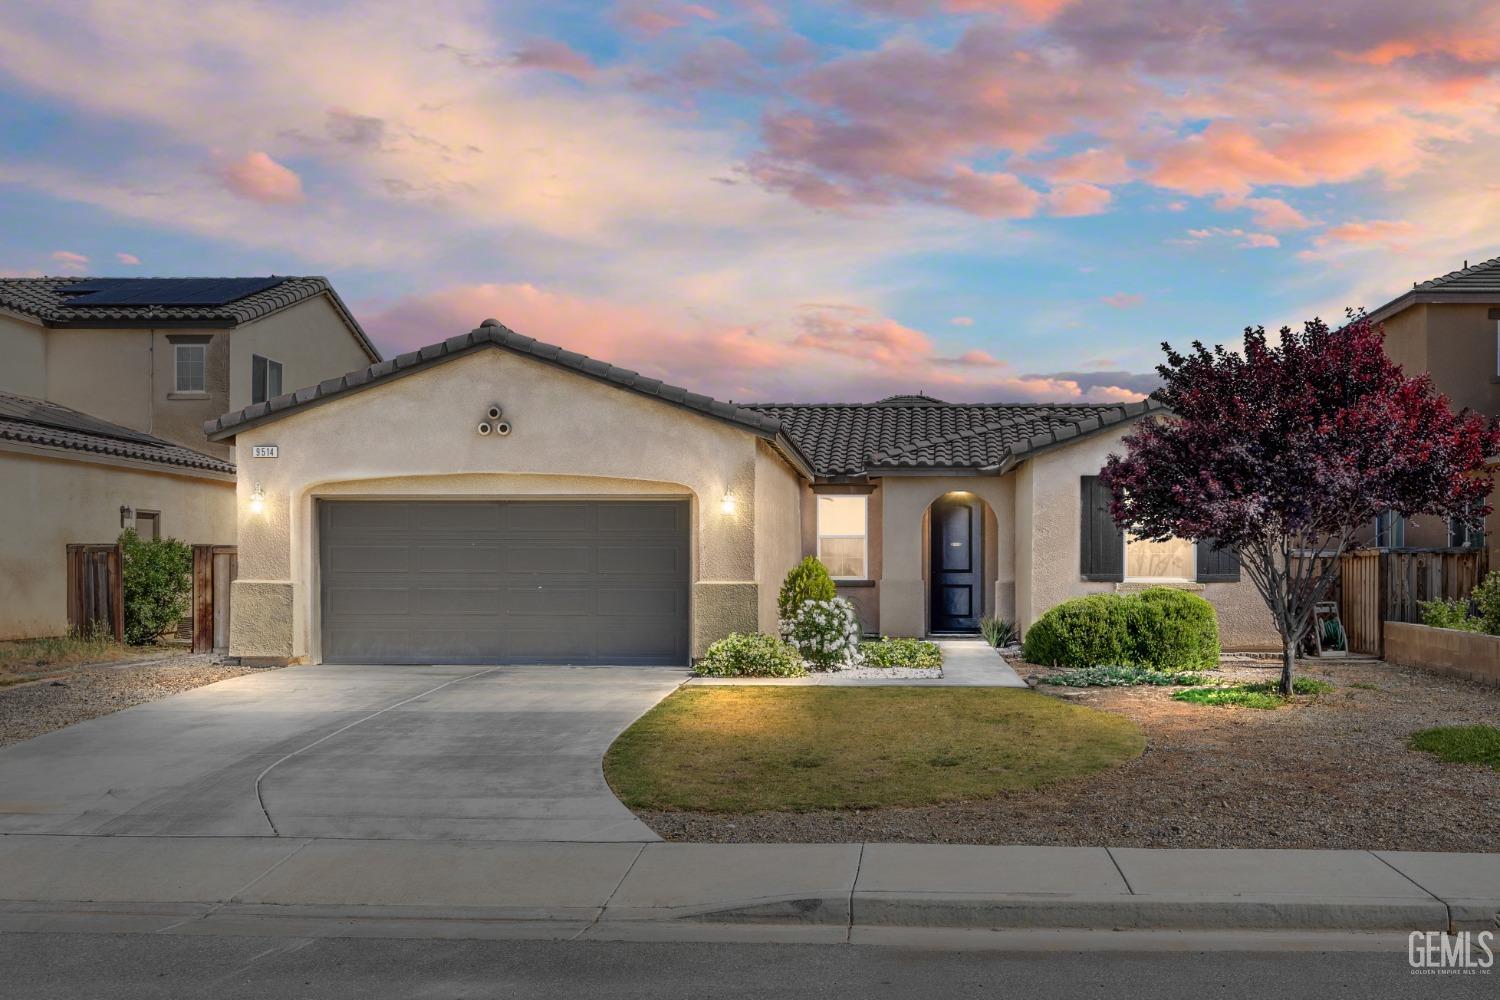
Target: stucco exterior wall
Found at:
x=573, y=436
x=179, y=416
x=69, y=501
x=1048, y=567
x=23, y=357
x=310, y=340
x=107, y=373
x=778, y=523
x=903, y=592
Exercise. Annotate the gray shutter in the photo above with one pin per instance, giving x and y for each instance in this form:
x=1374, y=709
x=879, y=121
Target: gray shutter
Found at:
x=1102, y=550
x=1221, y=566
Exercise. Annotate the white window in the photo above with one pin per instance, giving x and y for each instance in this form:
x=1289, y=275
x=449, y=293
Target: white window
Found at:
x=843, y=536
x=1172, y=560
x=190, y=368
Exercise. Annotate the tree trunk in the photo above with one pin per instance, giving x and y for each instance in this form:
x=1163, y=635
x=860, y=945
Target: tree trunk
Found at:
x=1288, y=657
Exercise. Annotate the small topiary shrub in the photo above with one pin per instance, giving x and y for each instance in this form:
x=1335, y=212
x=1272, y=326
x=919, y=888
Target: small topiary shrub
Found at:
x=752, y=654
x=901, y=652
x=157, y=578
x=806, y=581
x=826, y=633
x=1161, y=628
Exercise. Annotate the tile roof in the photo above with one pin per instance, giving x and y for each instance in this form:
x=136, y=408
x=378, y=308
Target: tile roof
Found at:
x=824, y=439
x=37, y=422
x=1477, y=283
x=47, y=299
x=906, y=432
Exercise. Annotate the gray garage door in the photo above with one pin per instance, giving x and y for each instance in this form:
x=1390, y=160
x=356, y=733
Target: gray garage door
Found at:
x=504, y=581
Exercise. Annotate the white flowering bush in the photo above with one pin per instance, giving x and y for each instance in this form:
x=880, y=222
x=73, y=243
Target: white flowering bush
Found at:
x=826, y=633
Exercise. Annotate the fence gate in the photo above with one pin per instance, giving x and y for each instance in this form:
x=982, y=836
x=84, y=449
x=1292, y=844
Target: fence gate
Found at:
x=214, y=569
x=96, y=595
x=1380, y=585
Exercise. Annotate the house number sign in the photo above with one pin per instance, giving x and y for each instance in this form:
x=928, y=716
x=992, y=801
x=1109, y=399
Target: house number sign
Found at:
x=263, y=451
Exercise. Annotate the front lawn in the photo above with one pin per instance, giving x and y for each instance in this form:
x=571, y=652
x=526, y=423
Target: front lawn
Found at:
x=757, y=749
x=1461, y=744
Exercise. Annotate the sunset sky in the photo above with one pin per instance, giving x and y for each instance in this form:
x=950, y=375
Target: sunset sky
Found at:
x=982, y=199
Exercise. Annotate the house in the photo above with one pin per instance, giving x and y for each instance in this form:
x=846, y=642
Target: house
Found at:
x=492, y=498
x=1448, y=327
x=104, y=387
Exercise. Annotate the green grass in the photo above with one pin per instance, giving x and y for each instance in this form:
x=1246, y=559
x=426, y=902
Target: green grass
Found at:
x=754, y=749
x=24, y=659
x=1461, y=744
x=1366, y=686
x=1117, y=676
x=1263, y=694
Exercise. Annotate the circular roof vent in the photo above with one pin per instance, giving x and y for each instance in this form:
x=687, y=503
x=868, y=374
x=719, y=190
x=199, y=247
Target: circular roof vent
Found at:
x=914, y=399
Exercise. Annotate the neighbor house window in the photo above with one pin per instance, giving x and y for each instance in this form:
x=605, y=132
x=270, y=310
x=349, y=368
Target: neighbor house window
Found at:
x=1465, y=533
x=1390, y=530
x=191, y=376
x=843, y=536
x=265, y=378
x=1173, y=559
x=148, y=523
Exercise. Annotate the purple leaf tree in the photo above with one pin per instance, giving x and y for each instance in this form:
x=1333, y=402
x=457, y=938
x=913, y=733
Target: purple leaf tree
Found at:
x=1283, y=452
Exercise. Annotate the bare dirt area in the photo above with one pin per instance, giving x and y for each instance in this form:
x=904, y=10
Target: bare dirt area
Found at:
x=1331, y=771
x=74, y=693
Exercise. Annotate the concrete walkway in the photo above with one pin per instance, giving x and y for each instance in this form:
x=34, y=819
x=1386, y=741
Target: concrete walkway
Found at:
x=315, y=886
x=454, y=752
x=966, y=663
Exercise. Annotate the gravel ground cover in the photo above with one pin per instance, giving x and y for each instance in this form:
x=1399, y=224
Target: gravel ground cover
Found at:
x=87, y=692
x=1331, y=771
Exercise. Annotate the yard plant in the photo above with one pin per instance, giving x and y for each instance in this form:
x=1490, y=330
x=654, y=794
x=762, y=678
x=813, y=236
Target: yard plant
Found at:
x=1118, y=676
x=757, y=749
x=157, y=580
x=1460, y=613
x=806, y=581
x=1461, y=744
x=997, y=631
x=1262, y=694
x=1160, y=628
x=900, y=652
x=752, y=654
x=826, y=633
x=1283, y=452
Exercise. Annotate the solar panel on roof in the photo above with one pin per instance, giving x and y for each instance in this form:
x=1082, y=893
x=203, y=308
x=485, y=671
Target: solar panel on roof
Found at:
x=164, y=291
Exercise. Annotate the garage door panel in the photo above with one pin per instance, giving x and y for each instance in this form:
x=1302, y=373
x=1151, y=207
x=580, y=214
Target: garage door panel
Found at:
x=505, y=581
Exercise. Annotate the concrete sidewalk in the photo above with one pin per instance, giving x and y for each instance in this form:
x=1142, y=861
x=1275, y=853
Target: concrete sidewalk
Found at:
x=447, y=888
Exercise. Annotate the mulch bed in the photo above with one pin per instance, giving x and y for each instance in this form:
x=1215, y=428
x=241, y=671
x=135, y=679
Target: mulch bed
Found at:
x=1326, y=772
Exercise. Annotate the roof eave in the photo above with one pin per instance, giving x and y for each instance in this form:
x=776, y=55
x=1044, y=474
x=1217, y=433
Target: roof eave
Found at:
x=1430, y=296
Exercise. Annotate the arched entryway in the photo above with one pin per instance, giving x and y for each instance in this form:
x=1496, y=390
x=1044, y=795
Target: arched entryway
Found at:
x=956, y=572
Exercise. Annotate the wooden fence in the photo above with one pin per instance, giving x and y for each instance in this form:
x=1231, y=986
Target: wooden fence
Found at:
x=96, y=597
x=1380, y=585
x=214, y=570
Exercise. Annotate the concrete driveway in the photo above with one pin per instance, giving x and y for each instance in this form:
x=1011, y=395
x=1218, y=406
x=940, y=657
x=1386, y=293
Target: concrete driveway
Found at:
x=378, y=752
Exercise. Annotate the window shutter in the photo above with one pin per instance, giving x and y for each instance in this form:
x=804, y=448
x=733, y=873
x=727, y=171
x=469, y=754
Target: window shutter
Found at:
x=257, y=379
x=1102, y=550
x=1217, y=566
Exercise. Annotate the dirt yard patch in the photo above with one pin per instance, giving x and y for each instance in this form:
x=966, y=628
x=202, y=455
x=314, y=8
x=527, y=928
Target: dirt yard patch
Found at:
x=74, y=693
x=1332, y=771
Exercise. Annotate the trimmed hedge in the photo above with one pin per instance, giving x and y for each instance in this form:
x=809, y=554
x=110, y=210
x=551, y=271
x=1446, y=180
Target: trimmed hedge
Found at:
x=1161, y=628
x=752, y=654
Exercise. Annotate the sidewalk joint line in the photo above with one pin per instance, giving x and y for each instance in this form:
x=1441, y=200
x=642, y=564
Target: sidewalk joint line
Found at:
x=610, y=898
x=1116, y=862
x=1403, y=874
x=859, y=865
x=260, y=796
x=216, y=907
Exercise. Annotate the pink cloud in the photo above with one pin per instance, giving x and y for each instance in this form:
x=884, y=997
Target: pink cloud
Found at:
x=1123, y=300
x=257, y=177
x=1078, y=199
x=1375, y=232
x=1268, y=213
x=1247, y=240
x=654, y=18
x=127, y=258
x=962, y=321
x=822, y=352
x=1257, y=241
x=554, y=56
x=69, y=260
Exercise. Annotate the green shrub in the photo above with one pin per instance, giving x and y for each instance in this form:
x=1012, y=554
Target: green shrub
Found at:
x=806, y=581
x=1486, y=597
x=901, y=652
x=157, y=577
x=826, y=633
x=1117, y=676
x=752, y=654
x=1161, y=628
x=1449, y=614
x=997, y=631
x=1461, y=744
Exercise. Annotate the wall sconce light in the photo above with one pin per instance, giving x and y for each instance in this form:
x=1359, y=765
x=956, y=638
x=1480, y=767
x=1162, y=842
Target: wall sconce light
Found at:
x=127, y=516
x=257, y=499
x=726, y=506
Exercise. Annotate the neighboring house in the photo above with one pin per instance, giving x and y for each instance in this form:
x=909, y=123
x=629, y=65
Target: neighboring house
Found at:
x=68, y=477
x=1448, y=327
x=104, y=387
x=495, y=499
